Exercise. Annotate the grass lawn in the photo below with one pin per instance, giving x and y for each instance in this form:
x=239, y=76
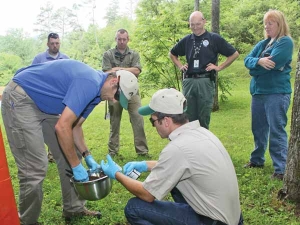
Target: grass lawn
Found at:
x=231, y=124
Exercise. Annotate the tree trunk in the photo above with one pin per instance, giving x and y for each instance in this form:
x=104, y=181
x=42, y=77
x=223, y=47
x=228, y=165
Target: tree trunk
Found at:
x=196, y=5
x=215, y=27
x=291, y=185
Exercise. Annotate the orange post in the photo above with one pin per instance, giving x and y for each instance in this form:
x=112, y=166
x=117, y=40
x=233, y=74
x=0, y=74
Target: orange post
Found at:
x=8, y=208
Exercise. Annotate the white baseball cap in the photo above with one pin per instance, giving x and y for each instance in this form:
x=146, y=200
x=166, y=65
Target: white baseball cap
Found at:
x=129, y=86
x=168, y=101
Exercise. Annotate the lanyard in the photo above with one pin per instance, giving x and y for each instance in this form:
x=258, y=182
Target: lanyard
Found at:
x=197, y=46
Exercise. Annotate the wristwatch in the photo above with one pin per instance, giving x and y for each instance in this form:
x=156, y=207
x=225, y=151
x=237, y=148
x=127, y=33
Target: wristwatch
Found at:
x=86, y=153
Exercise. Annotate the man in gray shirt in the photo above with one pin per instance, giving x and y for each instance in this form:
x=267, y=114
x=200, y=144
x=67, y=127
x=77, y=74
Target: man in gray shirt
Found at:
x=195, y=167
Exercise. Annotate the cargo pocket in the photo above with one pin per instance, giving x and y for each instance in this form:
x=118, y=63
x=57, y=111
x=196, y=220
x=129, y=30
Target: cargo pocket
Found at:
x=18, y=137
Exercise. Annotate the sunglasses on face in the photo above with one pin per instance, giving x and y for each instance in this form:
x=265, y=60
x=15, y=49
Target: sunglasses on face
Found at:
x=152, y=121
x=118, y=92
x=119, y=56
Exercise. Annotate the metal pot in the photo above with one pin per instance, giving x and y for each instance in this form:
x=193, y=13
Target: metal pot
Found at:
x=98, y=187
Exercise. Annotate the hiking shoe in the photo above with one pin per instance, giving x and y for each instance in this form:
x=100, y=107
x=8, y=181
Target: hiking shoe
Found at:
x=50, y=158
x=70, y=215
x=144, y=155
x=253, y=165
x=277, y=176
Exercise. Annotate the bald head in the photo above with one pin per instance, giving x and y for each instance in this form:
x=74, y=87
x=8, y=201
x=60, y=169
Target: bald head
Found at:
x=196, y=15
x=197, y=23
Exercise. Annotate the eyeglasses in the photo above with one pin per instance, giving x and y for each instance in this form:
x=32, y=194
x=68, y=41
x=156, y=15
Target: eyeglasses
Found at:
x=118, y=92
x=152, y=121
x=195, y=25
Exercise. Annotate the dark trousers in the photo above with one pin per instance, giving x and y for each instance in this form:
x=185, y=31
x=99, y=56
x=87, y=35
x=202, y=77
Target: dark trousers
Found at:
x=139, y=212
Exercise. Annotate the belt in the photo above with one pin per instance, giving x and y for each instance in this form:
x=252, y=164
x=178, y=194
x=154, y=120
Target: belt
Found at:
x=202, y=75
x=16, y=87
x=208, y=221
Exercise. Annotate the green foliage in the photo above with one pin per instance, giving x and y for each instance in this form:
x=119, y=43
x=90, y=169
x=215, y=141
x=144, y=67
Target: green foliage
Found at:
x=65, y=21
x=62, y=21
x=9, y=64
x=84, y=46
x=156, y=33
x=242, y=21
x=44, y=21
x=225, y=85
x=112, y=12
x=18, y=43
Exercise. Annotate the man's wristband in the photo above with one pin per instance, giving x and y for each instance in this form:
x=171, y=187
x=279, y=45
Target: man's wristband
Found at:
x=86, y=153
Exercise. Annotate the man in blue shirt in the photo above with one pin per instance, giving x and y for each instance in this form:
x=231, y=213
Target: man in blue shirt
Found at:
x=52, y=53
x=32, y=100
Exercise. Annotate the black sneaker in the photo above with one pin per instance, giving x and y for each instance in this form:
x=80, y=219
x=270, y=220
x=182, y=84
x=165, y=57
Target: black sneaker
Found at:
x=253, y=165
x=69, y=216
x=277, y=176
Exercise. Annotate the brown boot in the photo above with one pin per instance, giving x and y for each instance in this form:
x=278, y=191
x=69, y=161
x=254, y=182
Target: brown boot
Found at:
x=277, y=176
x=70, y=215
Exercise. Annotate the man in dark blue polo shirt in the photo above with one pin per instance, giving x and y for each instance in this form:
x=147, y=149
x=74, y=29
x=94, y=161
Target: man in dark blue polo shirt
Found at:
x=201, y=49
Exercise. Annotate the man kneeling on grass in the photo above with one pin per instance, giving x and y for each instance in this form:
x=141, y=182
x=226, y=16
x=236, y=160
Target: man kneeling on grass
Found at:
x=195, y=167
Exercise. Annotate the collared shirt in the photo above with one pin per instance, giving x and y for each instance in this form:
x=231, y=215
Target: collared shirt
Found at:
x=209, y=45
x=113, y=58
x=198, y=165
x=60, y=83
x=46, y=57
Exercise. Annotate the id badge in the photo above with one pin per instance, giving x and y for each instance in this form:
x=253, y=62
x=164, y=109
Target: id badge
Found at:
x=196, y=63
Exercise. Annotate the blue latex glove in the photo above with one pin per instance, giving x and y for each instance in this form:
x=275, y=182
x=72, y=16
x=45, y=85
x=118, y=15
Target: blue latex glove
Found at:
x=139, y=166
x=80, y=173
x=91, y=163
x=110, y=168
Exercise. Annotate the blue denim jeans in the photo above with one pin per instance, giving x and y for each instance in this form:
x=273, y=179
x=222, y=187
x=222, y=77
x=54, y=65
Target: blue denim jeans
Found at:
x=139, y=212
x=269, y=119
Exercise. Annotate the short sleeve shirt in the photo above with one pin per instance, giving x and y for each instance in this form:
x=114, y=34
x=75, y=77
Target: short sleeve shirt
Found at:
x=198, y=165
x=46, y=57
x=113, y=58
x=204, y=48
x=60, y=83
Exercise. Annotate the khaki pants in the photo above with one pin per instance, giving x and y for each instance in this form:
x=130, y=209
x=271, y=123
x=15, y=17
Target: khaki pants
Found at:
x=27, y=129
x=137, y=123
